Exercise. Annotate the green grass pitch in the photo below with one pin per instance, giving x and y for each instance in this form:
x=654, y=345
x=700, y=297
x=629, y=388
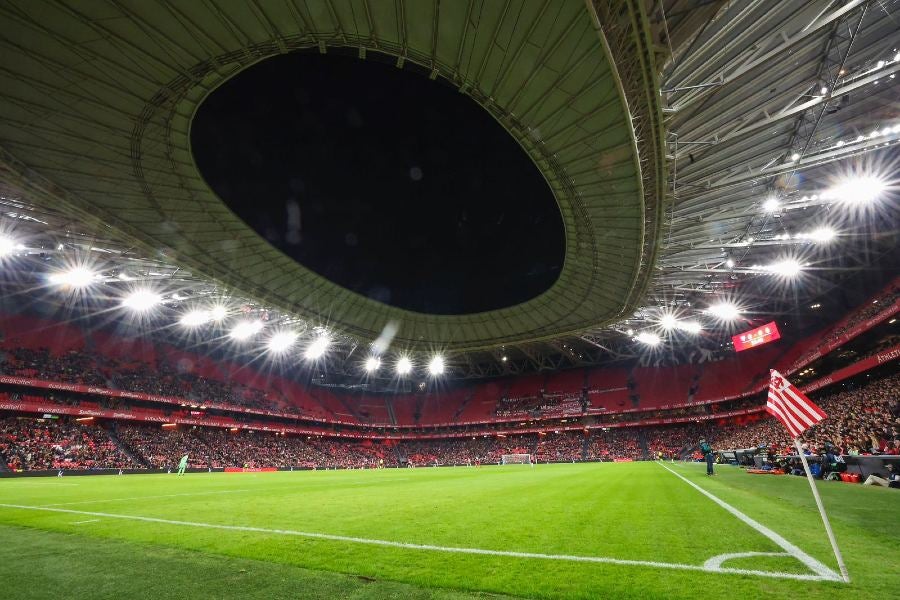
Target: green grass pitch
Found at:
x=442, y=533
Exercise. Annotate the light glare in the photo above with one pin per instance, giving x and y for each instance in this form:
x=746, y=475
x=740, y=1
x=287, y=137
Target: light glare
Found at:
x=668, y=321
x=218, y=312
x=404, y=365
x=141, y=300
x=245, y=329
x=772, y=204
x=822, y=234
x=372, y=364
x=690, y=326
x=194, y=318
x=281, y=341
x=436, y=366
x=725, y=311
x=788, y=268
x=77, y=277
x=7, y=245
x=651, y=339
x=317, y=348
x=858, y=190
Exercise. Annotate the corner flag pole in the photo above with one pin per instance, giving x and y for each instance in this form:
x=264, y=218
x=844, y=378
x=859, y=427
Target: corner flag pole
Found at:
x=815, y=491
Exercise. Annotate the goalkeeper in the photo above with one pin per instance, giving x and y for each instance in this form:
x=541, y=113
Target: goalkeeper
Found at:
x=182, y=465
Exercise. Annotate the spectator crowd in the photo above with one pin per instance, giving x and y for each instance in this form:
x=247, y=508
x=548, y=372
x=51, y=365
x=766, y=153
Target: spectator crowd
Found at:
x=863, y=420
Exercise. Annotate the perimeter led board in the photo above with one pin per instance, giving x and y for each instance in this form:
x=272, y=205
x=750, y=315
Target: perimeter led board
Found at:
x=756, y=337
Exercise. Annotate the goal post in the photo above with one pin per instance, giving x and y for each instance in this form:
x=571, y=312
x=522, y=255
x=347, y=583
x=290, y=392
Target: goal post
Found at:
x=516, y=459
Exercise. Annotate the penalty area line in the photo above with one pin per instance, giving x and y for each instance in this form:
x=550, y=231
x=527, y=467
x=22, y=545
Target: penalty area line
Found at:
x=822, y=570
x=708, y=568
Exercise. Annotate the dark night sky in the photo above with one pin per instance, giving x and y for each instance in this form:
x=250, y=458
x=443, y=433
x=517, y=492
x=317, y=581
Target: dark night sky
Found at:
x=385, y=182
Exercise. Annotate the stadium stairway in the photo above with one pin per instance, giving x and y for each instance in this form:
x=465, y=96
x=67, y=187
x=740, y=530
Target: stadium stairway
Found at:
x=124, y=448
x=463, y=405
x=642, y=440
x=390, y=411
x=585, y=445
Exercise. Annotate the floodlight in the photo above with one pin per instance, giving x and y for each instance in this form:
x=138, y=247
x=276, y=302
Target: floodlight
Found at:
x=281, y=341
x=729, y=263
x=436, y=366
x=404, y=365
x=218, y=312
x=668, y=321
x=194, y=318
x=858, y=190
x=690, y=326
x=245, y=329
x=76, y=277
x=772, y=204
x=651, y=339
x=7, y=245
x=317, y=348
x=725, y=311
x=795, y=156
x=788, y=268
x=822, y=234
x=141, y=300
x=372, y=364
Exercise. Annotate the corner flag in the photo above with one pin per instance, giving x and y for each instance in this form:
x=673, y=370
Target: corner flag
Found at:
x=798, y=413
x=790, y=406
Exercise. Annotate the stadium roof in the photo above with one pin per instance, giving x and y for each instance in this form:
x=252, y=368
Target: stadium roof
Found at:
x=661, y=127
x=116, y=86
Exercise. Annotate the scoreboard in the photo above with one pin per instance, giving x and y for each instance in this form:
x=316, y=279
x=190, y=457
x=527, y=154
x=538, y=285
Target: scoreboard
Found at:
x=756, y=337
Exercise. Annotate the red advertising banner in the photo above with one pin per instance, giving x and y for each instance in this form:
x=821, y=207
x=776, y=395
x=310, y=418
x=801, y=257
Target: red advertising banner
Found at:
x=250, y=469
x=756, y=337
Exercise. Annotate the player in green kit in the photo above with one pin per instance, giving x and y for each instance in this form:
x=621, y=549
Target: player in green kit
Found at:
x=183, y=464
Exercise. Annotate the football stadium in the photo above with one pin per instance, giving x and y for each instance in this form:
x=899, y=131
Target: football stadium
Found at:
x=449, y=299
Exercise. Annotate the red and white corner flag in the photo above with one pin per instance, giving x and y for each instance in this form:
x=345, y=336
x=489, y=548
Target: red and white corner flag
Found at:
x=788, y=404
x=798, y=413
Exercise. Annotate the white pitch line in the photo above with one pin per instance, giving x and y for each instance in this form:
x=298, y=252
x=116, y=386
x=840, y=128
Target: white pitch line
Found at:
x=22, y=481
x=432, y=548
x=144, y=497
x=83, y=522
x=814, y=565
x=716, y=561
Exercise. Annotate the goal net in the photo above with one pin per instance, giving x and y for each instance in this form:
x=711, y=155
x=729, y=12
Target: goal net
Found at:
x=516, y=459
